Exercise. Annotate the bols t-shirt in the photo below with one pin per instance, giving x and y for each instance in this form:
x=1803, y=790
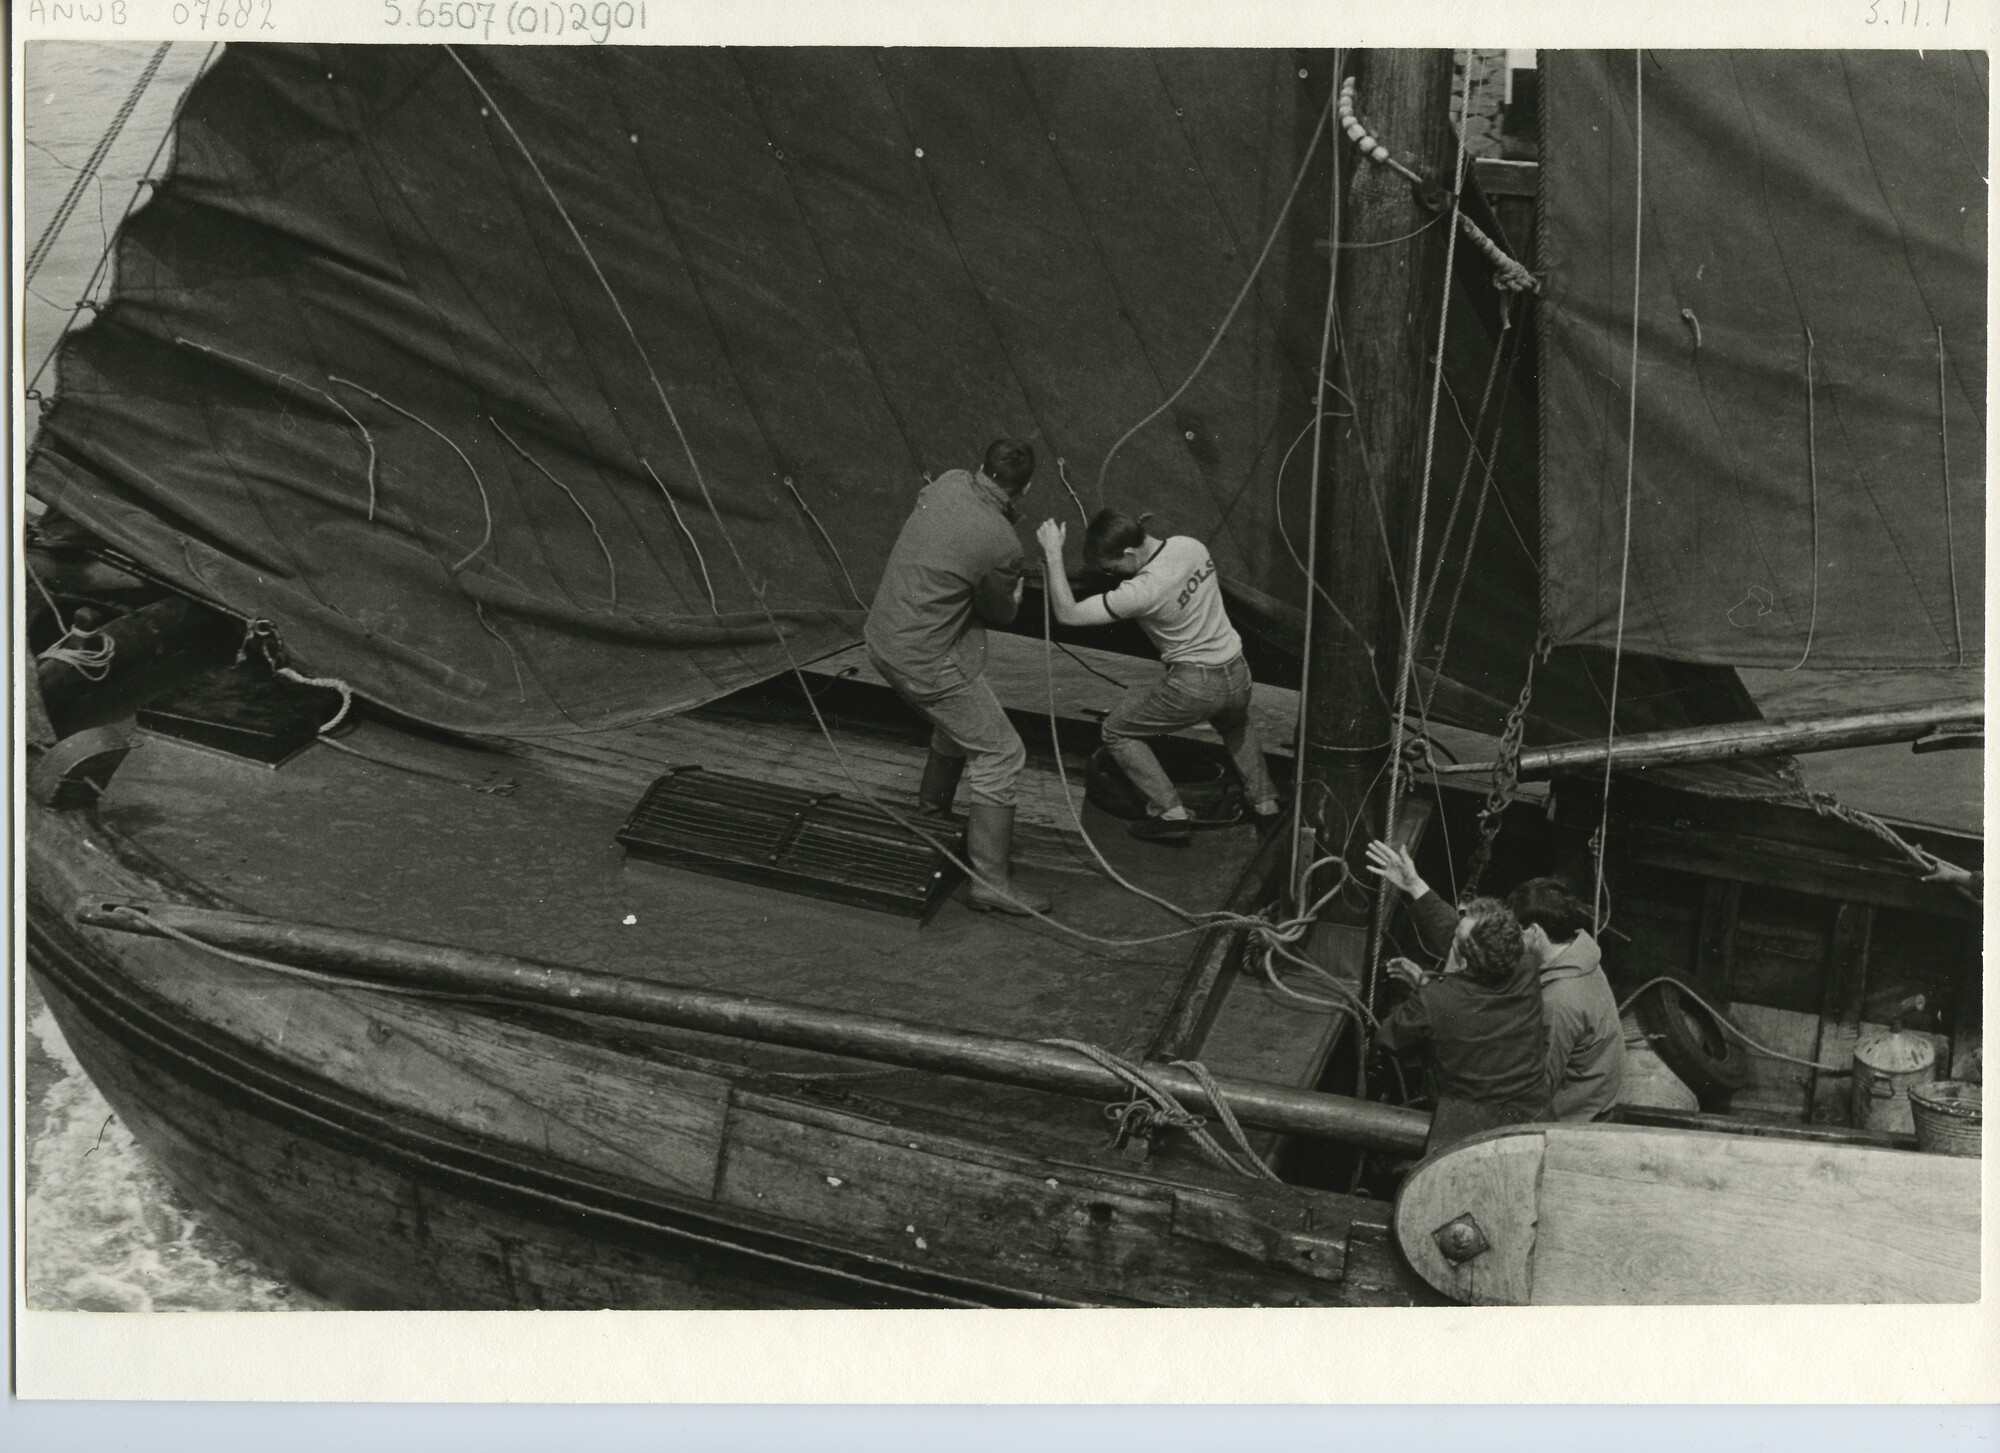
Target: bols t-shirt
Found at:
x=1178, y=604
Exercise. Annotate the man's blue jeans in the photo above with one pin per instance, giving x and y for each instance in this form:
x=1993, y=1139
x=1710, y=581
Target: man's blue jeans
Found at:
x=1188, y=696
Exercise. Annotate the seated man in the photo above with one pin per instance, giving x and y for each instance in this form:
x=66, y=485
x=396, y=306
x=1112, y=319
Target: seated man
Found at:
x=958, y=562
x=1172, y=593
x=1481, y=1018
x=1586, y=1037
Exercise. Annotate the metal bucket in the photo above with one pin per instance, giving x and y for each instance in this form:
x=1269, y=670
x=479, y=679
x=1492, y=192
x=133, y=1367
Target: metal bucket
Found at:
x=1947, y=1117
x=1885, y=1066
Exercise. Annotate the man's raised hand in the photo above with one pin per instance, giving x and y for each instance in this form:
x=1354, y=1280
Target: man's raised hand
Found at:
x=1051, y=534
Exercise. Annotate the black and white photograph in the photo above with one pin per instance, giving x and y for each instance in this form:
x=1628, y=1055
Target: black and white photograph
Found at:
x=777, y=677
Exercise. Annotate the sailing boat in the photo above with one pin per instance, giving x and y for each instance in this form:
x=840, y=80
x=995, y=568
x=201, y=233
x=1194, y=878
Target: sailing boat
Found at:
x=533, y=426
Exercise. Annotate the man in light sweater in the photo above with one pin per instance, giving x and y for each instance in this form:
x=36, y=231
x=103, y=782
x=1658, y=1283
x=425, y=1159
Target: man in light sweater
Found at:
x=1586, y=1037
x=1171, y=591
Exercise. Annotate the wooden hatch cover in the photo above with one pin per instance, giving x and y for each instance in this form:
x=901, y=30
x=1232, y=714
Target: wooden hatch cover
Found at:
x=818, y=844
x=1595, y=1215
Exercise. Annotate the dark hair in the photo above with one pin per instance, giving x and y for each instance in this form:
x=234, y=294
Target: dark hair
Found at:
x=1010, y=463
x=1110, y=535
x=1491, y=948
x=1547, y=902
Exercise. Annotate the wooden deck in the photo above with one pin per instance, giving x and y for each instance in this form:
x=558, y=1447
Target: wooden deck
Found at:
x=390, y=831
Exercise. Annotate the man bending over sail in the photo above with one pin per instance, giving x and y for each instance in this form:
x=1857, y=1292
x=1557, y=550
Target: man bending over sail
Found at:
x=1171, y=591
x=956, y=563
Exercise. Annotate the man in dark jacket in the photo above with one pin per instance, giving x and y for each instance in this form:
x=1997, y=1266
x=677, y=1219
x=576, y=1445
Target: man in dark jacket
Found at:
x=1480, y=1019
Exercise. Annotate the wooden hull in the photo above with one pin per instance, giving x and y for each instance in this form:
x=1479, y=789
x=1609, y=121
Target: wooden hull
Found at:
x=1611, y=1214
x=398, y=1152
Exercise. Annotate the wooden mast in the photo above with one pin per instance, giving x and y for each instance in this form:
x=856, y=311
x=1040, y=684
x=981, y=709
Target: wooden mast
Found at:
x=1388, y=296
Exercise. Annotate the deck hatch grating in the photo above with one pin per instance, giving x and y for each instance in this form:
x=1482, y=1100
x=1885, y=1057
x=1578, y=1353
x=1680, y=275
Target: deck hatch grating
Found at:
x=817, y=844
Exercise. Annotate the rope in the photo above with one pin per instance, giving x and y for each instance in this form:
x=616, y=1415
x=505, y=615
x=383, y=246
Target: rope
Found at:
x=145, y=176
x=1950, y=538
x=1486, y=494
x=1299, y=830
x=808, y=509
x=1722, y=1020
x=1631, y=442
x=367, y=438
x=1509, y=275
x=38, y=254
x=1472, y=457
x=485, y=504
x=675, y=510
x=610, y=565
x=1812, y=474
x=1164, y=1109
x=1243, y=292
x=93, y=663
x=1062, y=472
x=332, y=683
x=1221, y=1104
x=1936, y=869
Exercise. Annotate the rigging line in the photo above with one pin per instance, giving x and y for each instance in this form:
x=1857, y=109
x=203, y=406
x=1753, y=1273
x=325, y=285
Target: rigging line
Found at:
x=835, y=549
x=1472, y=457
x=826, y=265
x=38, y=254
x=645, y=358
x=485, y=504
x=1451, y=397
x=1368, y=472
x=1812, y=475
x=1950, y=538
x=1407, y=667
x=1311, y=565
x=1062, y=473
x=520, y=682
x=693, y=544
x=1096, y=242
x=1631, y=456
x=367, y=438
x=958, y=251
x=1284, y=536
x=1277, y=227
x=1487, y=492
x=610, y=565
x=729, y=354
x=145, y=176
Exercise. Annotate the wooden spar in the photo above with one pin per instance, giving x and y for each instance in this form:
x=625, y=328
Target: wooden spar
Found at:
x=382, y=959
x=1747, y=739
x=1388, y=300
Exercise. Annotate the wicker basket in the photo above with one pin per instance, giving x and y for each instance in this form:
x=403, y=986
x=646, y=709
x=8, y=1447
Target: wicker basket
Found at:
x=1947, y=1116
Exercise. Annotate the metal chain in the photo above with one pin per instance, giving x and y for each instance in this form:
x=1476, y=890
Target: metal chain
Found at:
x=1507, y=775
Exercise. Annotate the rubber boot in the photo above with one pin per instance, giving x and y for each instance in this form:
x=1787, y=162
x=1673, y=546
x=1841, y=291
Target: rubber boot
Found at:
x=989, y=844
x=939, y=786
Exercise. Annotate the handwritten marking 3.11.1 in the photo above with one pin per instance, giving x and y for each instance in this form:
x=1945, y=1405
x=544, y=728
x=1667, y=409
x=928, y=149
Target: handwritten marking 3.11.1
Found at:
x=596, y=23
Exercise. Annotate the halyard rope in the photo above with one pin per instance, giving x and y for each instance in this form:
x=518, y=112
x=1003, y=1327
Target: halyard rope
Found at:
x=1631, y=445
